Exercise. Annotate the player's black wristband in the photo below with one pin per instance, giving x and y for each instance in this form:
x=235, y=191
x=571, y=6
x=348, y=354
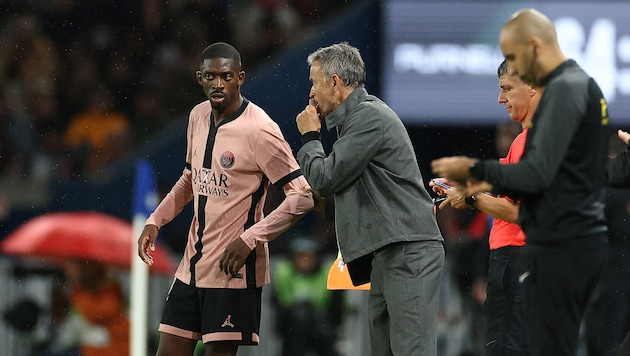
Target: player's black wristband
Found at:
x=476, y=170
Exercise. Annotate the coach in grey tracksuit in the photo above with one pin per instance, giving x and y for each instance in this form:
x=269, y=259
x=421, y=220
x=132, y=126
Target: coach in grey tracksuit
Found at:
x=384, y=217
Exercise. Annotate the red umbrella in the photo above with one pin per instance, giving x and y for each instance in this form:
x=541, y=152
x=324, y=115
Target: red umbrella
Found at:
x=87, y=235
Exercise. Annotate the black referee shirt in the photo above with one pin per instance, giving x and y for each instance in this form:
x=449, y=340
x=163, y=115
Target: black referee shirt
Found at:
x=561, y=177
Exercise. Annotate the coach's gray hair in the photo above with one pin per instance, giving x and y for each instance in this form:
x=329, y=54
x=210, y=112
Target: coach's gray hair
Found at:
x=341, y=59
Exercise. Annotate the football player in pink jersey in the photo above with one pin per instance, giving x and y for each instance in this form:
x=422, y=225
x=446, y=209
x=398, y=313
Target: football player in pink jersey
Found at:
x=234, y=152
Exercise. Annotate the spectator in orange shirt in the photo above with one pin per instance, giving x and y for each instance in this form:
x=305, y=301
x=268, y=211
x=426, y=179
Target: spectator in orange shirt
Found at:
x=100, y=303
x=99, y=135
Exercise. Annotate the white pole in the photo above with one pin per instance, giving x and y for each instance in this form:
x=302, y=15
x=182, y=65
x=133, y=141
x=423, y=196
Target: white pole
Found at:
x=139, y=290
x=145, y=200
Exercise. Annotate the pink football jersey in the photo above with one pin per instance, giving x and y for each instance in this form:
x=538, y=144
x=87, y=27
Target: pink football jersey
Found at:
x=228, y=170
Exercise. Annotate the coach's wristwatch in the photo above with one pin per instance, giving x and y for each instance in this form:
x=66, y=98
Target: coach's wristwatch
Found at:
x=471, y=200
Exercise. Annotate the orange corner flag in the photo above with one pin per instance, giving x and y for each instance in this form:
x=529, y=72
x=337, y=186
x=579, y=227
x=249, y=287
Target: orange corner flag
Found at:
x=339, y=278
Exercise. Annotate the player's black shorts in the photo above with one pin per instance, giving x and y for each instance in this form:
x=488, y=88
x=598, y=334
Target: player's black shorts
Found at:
x=212, y=314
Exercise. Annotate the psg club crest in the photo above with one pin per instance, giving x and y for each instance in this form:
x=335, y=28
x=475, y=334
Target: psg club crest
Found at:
x=227, y=159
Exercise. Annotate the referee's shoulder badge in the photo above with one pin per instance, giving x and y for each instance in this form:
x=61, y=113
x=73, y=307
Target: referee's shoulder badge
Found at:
x=227, y=159
x=604, y=107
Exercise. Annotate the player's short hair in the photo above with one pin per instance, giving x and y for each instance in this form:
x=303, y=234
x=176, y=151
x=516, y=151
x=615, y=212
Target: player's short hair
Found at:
x=503, y=69
x=221, y=50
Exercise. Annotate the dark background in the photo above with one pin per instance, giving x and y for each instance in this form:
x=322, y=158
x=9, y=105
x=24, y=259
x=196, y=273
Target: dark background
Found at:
x=276, y=80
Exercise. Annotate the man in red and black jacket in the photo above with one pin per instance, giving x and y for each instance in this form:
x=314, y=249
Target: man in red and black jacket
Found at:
x=559, y=180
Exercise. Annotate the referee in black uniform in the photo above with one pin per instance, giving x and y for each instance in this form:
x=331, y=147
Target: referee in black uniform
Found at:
x=560, y=182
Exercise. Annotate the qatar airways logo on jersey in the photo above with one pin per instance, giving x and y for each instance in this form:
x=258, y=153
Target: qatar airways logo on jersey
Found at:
x=210, y=182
